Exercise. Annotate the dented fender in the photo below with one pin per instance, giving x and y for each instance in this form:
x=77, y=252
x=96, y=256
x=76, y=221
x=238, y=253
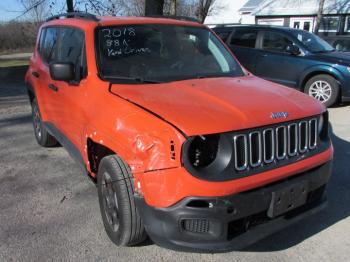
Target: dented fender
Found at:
x=132, y=137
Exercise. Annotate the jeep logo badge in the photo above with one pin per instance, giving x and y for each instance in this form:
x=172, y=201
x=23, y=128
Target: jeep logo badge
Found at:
x=276, y=115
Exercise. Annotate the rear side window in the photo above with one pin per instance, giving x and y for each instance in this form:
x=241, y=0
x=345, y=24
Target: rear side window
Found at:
x=276, y=42
x=244, y=37
x=223, y=34
x=48, y=44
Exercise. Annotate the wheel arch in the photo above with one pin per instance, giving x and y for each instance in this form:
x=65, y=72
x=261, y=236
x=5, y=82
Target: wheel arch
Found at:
x=30, y=92
x=326, y=70
x=95, y=153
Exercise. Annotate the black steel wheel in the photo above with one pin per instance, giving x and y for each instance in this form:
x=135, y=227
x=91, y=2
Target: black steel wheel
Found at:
x=120, y=216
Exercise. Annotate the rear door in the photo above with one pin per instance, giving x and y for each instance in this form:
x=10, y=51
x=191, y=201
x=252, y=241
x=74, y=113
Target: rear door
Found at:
x=243, y=44
x=275, y=63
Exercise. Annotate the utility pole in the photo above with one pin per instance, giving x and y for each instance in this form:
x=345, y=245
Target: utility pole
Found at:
x=70, y=7
x=319, y=16
x=154, y=7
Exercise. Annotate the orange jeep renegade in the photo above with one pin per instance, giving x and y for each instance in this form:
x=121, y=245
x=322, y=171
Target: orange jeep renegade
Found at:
x=185, y=145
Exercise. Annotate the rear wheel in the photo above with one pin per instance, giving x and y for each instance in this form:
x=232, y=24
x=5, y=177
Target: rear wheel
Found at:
x=324, y=88
x=120, y=217
x=41, y=134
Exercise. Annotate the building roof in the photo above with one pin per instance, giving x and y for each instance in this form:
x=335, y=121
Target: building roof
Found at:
x=302, y=7
x=251, y=5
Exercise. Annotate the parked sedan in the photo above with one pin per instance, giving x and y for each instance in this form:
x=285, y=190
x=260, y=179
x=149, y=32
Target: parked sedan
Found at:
x=292, y=57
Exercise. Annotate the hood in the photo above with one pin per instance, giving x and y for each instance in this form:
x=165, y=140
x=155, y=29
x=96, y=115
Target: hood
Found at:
x=342, y=58
x=214, y=105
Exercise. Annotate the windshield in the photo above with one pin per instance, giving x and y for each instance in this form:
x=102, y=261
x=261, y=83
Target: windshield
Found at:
x=312, y=42
x=161, y=53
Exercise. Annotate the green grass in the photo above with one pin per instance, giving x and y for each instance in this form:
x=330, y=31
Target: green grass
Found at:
x=9, y=63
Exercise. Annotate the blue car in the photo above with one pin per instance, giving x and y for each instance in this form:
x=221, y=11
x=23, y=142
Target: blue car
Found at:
x=292, y=57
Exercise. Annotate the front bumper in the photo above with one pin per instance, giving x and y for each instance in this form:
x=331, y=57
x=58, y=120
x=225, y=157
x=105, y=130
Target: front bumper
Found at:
x=218, y=224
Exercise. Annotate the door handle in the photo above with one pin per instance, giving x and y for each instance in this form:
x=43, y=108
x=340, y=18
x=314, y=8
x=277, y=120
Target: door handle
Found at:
x=35, y=74
x=263, y=55
x=53, y=87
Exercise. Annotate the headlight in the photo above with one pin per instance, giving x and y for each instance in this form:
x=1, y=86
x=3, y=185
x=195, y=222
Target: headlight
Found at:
x=203, y=150
x=320, y=124
x=207, y=155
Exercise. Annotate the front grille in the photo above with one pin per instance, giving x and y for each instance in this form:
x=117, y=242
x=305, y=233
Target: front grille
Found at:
x=274, y=144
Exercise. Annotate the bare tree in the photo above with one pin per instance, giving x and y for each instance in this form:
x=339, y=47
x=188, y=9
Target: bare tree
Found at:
x=170, y=7
x=319, y=15
x=34, y=10
x=131, y=7
x=205, y=7
x=187, y=8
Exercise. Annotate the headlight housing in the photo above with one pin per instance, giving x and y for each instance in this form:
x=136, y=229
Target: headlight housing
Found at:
x=209, y=154
x=323, y=126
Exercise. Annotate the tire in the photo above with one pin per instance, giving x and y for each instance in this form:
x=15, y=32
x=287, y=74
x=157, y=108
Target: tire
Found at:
x=120, y=217
x=324, y=88
x=41, y=134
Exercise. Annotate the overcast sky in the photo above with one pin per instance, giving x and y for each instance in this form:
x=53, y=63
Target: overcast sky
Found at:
x=227, y=11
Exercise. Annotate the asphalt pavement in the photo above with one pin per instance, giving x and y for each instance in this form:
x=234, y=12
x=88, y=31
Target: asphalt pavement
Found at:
x=49, y=210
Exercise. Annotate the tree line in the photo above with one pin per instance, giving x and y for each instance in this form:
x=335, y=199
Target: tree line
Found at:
x=38, y=10
x=20, y=33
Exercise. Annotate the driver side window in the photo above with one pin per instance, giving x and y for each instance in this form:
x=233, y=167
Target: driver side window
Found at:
x=276, y=42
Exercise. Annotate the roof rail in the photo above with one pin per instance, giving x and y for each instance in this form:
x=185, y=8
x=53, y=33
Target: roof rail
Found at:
x=176, y=17
x=79, y=15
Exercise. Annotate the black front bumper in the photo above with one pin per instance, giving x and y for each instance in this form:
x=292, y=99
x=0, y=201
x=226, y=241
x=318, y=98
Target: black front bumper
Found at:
x=233, y=222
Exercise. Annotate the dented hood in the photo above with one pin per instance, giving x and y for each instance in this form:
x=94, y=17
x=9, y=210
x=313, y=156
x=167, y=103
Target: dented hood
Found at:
x=213, y=105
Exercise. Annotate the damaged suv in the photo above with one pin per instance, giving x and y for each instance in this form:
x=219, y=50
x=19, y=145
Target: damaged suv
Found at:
x=184, y=144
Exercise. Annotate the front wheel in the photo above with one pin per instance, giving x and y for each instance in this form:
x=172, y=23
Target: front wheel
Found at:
x=120, y=217
x=324, y=88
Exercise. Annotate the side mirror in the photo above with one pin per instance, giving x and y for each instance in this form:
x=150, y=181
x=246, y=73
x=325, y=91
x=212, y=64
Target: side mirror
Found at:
x=62, y=71
x=293, y=50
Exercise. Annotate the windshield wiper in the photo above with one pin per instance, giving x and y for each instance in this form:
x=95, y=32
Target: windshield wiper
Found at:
x=133, y=79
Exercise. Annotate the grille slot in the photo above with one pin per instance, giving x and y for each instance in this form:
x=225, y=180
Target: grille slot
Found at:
x=255, y=148
x=259, y=147
x=241, y=152
x=292, y=139
x=312, y=133
x=269, y=145
x=281, y=142
x=303, y=134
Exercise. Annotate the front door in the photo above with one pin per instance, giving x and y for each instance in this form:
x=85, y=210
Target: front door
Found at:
x=275, y=63
x=71, y=95
x=46, y=95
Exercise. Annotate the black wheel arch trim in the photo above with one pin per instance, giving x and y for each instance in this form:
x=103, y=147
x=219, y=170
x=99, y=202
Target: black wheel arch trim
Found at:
x=69, y=146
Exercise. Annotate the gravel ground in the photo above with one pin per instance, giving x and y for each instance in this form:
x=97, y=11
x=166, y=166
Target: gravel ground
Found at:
x=49, y=210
